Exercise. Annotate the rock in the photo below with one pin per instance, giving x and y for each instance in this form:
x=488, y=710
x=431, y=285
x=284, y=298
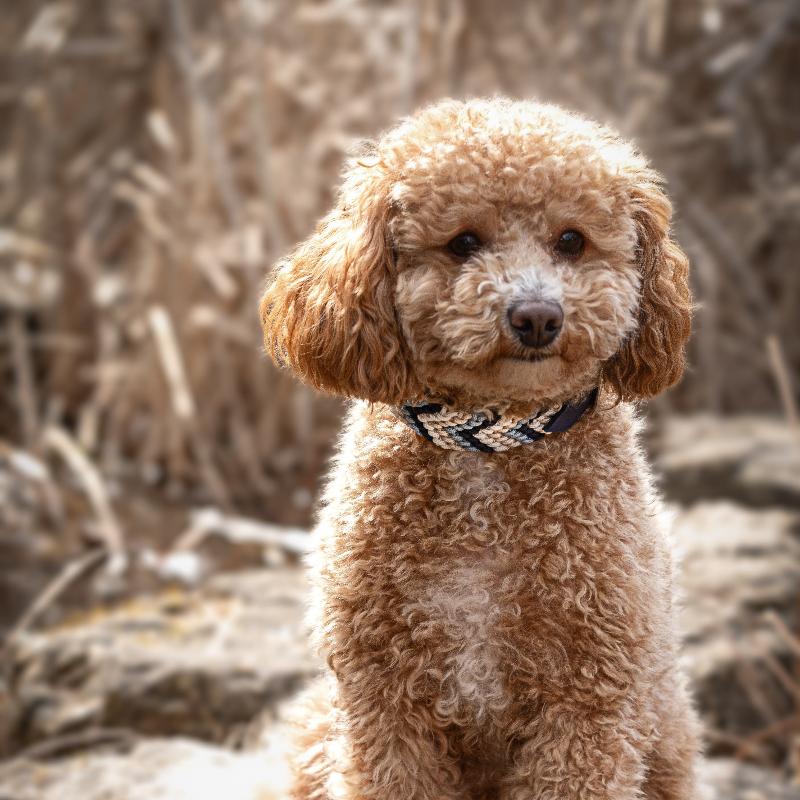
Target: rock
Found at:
x=754, y=461
x=733, y=780
x=202, y=663
x=155, y=769
x=740, y=576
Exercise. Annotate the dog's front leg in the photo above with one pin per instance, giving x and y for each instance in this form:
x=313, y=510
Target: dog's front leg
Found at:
x=573, y=755
x=397, y=750
x=386, y=689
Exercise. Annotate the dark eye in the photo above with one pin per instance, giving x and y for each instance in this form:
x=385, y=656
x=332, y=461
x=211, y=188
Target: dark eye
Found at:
x=464, y=245
x=570, y=244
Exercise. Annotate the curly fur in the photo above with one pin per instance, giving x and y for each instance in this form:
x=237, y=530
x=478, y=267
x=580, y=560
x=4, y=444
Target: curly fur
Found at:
x=497, y=625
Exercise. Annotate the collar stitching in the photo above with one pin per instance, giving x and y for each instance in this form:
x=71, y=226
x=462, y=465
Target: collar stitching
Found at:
x=492, y=432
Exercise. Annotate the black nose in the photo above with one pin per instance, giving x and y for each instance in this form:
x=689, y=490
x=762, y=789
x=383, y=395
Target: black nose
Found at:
x=536, y=324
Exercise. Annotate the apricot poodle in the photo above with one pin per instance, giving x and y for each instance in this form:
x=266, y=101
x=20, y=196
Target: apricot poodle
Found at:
x=493, y=585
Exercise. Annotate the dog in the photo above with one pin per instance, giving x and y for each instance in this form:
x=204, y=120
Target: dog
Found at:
x=492, y=580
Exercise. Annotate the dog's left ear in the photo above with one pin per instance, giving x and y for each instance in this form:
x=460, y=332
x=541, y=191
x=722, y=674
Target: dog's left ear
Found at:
x=328, y=309
x=652, y=358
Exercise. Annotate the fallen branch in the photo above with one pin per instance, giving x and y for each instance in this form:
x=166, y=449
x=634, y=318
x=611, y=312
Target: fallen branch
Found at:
x=23, y=370
x=209, y=521
x=69, y=743
x=777, y=362
x=109, y=528
x=782, y=629
x=70, y=573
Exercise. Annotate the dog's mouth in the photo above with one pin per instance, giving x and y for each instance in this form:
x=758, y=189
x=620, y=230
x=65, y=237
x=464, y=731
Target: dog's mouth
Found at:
x=530, y=358
x=512, y=351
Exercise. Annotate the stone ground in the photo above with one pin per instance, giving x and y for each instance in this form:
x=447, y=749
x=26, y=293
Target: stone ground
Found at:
x=178, y=693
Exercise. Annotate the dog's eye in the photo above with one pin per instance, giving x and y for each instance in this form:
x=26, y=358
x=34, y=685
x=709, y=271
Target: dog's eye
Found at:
x=464, y=245
x=570, y=244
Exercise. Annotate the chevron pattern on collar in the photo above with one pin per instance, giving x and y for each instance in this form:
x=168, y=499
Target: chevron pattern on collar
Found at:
x=489, y=432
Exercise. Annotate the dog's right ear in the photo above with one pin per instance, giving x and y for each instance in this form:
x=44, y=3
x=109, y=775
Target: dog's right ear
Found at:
x=328, y=310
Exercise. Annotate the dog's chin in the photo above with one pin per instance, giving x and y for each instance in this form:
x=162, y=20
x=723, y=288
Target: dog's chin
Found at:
x=536, y=378
x=529, y=381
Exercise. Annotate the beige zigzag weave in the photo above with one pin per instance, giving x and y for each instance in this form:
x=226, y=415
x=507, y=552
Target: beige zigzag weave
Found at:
x=489, y=431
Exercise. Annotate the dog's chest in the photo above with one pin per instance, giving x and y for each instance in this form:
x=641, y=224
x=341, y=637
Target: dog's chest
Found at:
x=457, y=601
x=462, y=616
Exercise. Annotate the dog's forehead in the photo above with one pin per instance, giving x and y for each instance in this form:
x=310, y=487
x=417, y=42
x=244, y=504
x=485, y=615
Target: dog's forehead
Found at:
x=514, y=153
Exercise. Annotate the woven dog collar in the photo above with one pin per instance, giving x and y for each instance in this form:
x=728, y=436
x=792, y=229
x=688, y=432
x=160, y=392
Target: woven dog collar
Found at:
x=489, y=432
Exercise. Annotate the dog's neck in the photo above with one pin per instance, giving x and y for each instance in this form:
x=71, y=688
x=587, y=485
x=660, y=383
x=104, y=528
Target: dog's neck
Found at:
x=490, y=431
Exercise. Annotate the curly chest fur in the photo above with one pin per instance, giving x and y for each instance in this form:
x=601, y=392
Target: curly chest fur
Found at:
x=455, y=575
x=460, y=616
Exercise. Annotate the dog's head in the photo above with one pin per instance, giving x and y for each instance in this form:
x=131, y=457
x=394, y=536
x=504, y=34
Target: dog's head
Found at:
x=487, y=251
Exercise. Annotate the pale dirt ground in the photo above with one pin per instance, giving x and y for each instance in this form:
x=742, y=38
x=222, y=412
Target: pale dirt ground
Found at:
x=169, y=677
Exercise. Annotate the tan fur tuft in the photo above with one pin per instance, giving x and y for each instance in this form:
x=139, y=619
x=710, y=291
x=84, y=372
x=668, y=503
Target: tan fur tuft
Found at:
x=328, y=311
x=652, y=359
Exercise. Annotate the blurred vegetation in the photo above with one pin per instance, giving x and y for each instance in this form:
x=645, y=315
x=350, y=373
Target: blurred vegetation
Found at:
x=156, y=157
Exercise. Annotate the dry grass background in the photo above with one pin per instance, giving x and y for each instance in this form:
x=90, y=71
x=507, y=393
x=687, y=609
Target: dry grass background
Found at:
x=156, y=156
